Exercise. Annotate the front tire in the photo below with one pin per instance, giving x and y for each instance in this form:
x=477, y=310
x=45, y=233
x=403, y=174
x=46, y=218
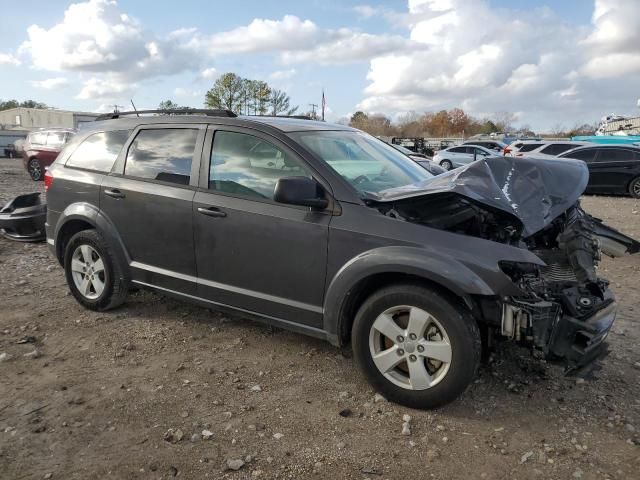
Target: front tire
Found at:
x=93, y=273
x=416, y=347
x=35, y=170
x=634, y=187
x=446, y=164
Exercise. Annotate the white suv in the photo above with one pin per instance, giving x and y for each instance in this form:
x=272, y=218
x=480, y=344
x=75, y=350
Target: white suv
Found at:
x=542, y=149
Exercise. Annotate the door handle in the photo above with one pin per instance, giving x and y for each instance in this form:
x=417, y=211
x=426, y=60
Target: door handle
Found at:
x=212, y=212
x=115, y=193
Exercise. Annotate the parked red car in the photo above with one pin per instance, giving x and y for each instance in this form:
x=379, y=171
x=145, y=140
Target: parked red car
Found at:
x=42, y=148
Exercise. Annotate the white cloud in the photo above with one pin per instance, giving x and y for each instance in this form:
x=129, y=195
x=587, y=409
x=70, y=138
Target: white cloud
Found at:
x=488, y=60
x=209, y=74
x=8, y=59
x=95, y=36
x=282, y=74
x=104, y=88
x=50, y=83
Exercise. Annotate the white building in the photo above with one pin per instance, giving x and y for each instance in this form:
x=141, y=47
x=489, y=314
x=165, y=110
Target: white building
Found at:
x=33, y=118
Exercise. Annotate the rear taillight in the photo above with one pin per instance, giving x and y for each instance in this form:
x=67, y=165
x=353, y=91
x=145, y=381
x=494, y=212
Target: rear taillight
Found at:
x=507, y=150
x=48, y=180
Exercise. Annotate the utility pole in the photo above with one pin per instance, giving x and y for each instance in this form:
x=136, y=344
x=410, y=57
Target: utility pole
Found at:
x=313, y=110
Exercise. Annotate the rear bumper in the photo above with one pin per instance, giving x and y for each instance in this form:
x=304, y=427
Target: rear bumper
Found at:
x=22, y=219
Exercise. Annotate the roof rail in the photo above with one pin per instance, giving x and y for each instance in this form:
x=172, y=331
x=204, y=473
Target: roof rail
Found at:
x=178, y=111
x=300, y=117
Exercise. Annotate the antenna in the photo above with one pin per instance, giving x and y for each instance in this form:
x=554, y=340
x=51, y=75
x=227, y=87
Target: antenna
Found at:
x=134, y=107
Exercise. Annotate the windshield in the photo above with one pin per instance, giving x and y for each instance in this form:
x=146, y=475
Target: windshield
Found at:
x=368, y=164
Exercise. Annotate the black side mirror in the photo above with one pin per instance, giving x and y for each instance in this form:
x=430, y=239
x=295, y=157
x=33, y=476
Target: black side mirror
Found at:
x=303, y=191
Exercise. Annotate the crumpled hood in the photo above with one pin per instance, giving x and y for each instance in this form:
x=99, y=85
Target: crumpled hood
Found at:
x=535, y=191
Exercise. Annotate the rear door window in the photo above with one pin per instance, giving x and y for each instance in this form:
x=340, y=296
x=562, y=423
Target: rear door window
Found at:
x=586, y=155
x=56, y=139
x=98, y=151
x=39, y=138
x=458, y=150
x=557, y=148
x=529, y=147
x=163, y=154
x=614, y=155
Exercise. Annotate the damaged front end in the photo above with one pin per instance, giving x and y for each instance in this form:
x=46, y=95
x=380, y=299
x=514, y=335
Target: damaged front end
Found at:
x=564, y=308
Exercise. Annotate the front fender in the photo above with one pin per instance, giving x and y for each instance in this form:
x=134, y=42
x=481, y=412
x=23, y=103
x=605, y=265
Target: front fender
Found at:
x=465, y=276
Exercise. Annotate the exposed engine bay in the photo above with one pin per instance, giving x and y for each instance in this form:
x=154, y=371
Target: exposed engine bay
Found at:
x=565, y=309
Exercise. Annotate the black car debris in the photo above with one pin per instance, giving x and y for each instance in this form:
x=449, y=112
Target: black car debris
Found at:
x=22, y=219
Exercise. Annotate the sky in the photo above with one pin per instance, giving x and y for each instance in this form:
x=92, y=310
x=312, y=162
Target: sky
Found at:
x=551, y=63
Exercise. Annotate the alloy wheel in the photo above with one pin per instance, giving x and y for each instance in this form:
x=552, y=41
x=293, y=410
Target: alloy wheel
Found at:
x=635, y=188
x=446, y=164
x=410, y=347
x=87, y=270
x=35, y=170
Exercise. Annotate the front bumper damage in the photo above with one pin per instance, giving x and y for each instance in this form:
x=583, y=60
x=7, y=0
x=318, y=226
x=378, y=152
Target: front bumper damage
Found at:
x=577, y=342
x=22, y=219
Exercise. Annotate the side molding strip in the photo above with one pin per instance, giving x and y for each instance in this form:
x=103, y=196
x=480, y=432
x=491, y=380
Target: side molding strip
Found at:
x=229, y=288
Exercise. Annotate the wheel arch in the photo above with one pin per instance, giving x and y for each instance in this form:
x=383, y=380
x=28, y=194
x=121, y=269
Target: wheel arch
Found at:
x=85, y=216
x=371, y=271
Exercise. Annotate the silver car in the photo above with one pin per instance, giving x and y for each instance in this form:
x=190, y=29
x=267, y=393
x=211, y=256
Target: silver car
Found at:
x=454, y=157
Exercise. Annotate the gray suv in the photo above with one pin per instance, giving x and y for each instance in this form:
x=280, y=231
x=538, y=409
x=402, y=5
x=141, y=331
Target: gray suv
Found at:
x=327, y=231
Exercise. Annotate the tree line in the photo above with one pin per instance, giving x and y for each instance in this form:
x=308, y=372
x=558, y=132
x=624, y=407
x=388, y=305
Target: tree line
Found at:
x=8, y=104
x=452, y=123
x=249, y=97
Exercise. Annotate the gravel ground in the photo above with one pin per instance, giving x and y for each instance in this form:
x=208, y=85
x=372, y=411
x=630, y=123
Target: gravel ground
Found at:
x=133, y=393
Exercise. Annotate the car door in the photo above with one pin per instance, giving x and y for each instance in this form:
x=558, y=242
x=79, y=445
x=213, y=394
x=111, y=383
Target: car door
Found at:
x=252, y=253
x=459, y=156
x=148, y=200
x=612, y=169
x=588, y=156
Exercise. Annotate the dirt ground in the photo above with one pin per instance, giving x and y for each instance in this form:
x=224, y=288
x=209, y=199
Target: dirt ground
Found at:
x=103, y=390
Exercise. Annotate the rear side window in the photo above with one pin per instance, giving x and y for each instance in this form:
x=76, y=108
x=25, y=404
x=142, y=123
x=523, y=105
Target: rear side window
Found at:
x=529, y=147
x=98, y=151
x=162, y=154
x=56, y=139
x=557, y=148
x=39, y=138
x=585, y=155
x=614, y=155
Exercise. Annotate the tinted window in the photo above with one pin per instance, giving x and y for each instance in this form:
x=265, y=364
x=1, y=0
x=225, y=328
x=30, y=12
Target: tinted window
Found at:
x=586, y=155
x=528, y=147
x=458, y=150
x=162, y=154
x=246, y=165
x=98, y=151
x=557, y=148
x=614, y=155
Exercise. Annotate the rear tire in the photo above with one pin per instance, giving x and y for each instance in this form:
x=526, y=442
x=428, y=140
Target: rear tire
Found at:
x=446, y=164
x=634, y=187
x=93, y=273
x=35, y=170
x=434, y=353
